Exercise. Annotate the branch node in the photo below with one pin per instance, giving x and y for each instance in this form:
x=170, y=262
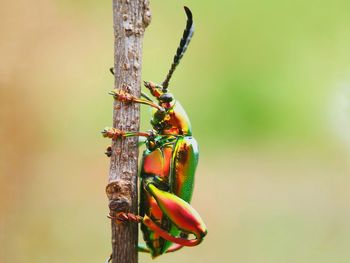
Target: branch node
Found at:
x=119, y=190
x=147, y=15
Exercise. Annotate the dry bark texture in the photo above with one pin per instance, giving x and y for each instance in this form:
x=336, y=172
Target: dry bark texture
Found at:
x=130, y=18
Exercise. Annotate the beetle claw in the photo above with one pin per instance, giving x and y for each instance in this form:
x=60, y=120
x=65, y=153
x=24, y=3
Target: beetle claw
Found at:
x=122, y=95
x=125, y=217
x=112, y=133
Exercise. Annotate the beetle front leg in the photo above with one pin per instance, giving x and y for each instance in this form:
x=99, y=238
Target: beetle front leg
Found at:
x=124, y=96
x=142, y=94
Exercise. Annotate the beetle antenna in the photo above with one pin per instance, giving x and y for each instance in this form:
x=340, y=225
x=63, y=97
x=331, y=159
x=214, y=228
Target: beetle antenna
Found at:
x=185, y=40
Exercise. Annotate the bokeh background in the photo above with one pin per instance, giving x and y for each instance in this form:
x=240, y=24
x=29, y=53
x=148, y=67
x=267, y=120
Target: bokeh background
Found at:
x=266, y=85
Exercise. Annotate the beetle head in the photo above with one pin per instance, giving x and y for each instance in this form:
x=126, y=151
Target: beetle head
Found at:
x=165, y=99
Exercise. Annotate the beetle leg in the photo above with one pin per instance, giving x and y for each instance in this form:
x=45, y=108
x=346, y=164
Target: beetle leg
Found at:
x=174, y=247
x=123, y=96
x=146, y=97
x=142, y=93
x=181, y=213
x=115, y=133
x=122, y=217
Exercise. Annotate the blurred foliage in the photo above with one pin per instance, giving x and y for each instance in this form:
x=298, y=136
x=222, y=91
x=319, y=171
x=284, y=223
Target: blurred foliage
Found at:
x=266, y=85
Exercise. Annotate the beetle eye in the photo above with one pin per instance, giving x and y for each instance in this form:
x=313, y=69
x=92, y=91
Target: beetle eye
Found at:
x=166, y=97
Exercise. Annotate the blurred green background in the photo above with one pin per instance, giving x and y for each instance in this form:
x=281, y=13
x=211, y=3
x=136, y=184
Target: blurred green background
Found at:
x=266, y=85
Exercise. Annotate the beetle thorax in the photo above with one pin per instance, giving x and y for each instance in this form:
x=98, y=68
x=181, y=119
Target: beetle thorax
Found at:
x=171, y=121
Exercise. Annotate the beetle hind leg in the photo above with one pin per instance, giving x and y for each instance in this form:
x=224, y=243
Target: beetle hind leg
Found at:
x=181, y=213
x=174, y=247
x=126, y=217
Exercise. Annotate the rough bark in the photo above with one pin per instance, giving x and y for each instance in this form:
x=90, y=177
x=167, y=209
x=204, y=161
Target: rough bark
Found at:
x=130, y=18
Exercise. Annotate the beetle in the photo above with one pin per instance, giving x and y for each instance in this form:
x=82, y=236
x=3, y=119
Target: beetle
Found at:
x=167, y=168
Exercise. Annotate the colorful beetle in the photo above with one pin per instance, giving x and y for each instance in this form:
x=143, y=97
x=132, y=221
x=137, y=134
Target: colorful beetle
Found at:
x=168, y=167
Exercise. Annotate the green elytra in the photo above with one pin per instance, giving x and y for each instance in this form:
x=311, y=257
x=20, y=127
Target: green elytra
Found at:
x=167, y=168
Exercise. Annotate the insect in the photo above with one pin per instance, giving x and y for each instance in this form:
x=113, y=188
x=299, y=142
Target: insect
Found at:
x=167, y=168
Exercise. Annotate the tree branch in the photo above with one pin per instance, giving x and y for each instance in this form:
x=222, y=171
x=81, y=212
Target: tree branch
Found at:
x=130, y=20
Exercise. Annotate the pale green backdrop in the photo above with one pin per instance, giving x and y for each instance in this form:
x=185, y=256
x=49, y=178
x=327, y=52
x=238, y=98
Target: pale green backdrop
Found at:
x=266, y=85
